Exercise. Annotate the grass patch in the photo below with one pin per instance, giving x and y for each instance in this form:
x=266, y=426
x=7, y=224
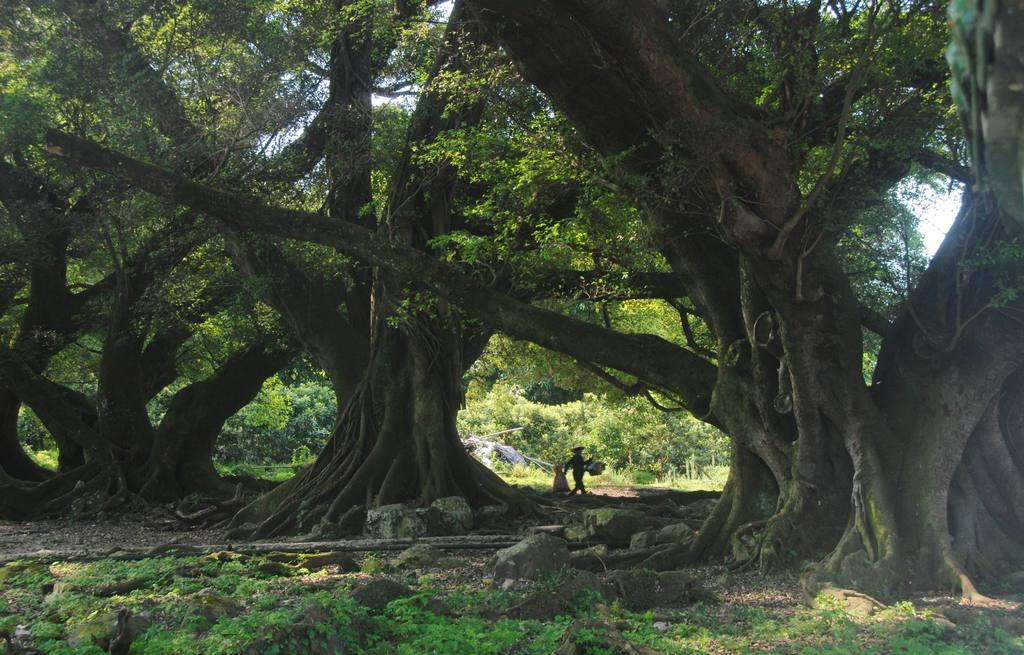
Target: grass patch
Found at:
x=228, y=604
x=541, y=481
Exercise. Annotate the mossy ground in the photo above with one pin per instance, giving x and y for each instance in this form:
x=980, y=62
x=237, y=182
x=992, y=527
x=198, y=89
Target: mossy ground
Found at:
x=269, y=608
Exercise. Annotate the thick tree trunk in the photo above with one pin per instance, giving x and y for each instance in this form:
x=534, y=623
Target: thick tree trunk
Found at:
x=986, y=499
x=946, y=385
x=395, y=441
x=181, y=460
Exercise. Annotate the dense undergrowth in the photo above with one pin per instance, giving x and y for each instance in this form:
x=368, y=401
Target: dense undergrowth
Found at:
x=227, y=603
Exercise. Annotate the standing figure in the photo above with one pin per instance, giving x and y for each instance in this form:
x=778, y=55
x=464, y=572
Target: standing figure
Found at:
x=579, y=467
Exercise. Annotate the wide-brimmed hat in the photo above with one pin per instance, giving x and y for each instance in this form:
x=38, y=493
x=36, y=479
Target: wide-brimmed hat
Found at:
x=575, y=448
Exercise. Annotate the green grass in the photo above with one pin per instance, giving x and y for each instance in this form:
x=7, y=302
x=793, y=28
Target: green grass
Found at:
x=287, y=613
x=541, y=481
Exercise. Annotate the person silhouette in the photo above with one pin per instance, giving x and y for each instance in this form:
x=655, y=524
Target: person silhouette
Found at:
x=579, y=468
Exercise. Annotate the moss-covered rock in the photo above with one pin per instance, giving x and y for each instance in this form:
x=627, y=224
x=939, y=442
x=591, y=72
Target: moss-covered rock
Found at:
x=614, y=526
x=418, y=556
x=456, y=514
x=376, y=594
x=395, y=522
x=641, y=590
x=531, y=558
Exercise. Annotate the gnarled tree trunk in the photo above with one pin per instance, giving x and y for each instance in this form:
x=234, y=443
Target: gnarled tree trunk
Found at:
x=396, y=439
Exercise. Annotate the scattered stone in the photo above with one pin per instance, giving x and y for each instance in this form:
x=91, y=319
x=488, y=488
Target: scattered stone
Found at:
x=662, y=626
x=105, y=628
x=575, y=533
x=702, y=507
x=669, y=557
x=395, y=522
x=853, y=602
x=456, y=514
x=277, y=569
x=212, y=605
x=566, y=595
x=553, y=530
x=531, y=558
x=644, y=539
x=316, y=561
x=21, y=568
x=614, y=526
x=417, y=557
x=675, y=533
x=641, y=590
x=376, y=594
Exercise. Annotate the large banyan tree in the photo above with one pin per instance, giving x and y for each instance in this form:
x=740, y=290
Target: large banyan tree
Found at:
x=752, y=138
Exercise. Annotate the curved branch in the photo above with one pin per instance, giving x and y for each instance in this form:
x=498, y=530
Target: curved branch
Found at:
x=653, y=358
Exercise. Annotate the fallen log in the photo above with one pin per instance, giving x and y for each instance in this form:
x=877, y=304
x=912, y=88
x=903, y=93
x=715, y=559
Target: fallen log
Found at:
x=468, y=542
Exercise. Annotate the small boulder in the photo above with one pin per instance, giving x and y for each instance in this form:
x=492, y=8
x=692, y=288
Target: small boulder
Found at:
x=644, y=539
x=573, y=590
x=395, y=522
x=641, y=590
x=702, y=507
x=675, y=533
x=376, y=594
x=316, y=561
x=212, y=605
x=456, y=514
x=94, y=628
x=575, y=533
x=531, y=558
x=111, y=630
x=553, y=530
x=417, y=557
x=614, y=526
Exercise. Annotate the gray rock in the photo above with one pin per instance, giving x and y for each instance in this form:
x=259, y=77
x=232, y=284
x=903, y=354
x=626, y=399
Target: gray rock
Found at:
x=395, y=522
x=418, y=556
x=702, y=507
x=575, y=533
x=112, y=630
x=644, y=539
x=641, y=590
x=531, y=558
x=456, y=514
x=212, y=605
x=675, y=533
x=614, y=526
x=574, y=591
x=553, y=530
x=376, y=594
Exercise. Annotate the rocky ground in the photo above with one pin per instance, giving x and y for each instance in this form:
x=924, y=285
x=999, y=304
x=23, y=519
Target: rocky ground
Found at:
x=566, y=587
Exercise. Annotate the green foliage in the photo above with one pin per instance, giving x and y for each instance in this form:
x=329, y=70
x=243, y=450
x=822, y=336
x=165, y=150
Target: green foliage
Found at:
x=284, y=423
x=628, y=434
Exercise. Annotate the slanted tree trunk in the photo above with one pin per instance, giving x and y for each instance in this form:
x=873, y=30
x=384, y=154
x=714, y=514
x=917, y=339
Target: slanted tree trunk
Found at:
x=181, y=459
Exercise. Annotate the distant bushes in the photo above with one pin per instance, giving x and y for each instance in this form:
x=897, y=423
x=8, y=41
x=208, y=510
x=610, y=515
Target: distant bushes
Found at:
x=283, y=424
x=629, y=434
